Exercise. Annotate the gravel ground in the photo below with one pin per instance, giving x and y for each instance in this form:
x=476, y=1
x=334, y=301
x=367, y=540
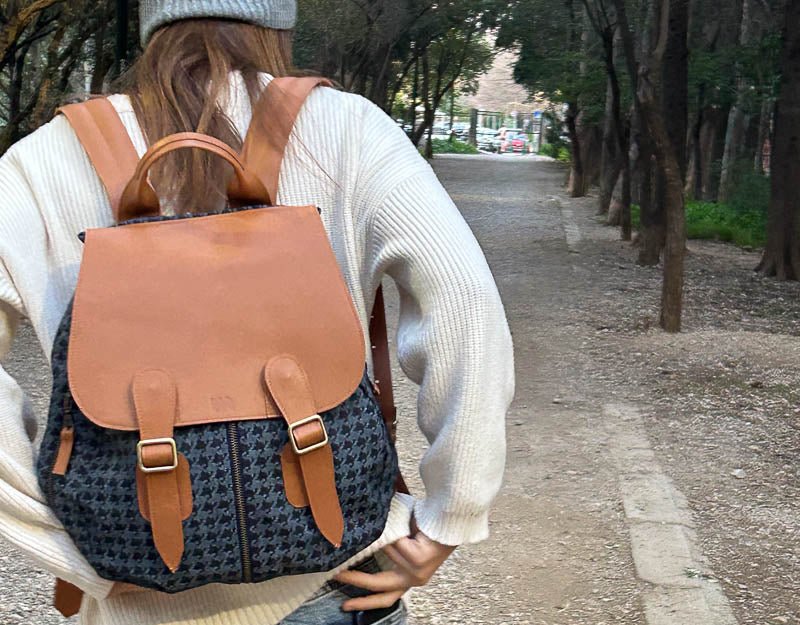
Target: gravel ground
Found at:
x=720, y=405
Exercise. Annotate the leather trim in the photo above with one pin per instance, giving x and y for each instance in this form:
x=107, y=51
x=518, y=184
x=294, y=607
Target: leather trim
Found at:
x=67, y=598
x=274, y=117
x=290, y=388
x=105, y=140
x=381, y=364
x=156, y=401
x=162, y=295
x=140, y=200
x=65, y=445
x=293, y=478
x=184, y=487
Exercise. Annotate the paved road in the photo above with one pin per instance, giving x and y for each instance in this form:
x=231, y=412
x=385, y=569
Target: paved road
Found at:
x=578, y=532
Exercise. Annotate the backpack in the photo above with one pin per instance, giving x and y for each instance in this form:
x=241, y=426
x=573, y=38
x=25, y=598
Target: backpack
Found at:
x=211, y=419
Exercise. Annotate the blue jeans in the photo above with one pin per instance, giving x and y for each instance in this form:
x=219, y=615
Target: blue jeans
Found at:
x=325, y=607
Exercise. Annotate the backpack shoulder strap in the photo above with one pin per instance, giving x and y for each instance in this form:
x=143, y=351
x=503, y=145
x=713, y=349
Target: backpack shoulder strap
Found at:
x=381, y=363
x=274, y=117
x=114, y=158
x=110, y=149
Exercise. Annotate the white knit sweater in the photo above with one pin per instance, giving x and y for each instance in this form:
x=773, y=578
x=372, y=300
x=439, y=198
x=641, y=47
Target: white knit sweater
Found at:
x=385, y=213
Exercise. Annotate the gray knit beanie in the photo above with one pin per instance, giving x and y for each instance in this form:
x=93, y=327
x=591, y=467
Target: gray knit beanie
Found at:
x=153, y=14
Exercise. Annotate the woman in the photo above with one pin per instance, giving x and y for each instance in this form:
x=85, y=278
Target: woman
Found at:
x=205, y=63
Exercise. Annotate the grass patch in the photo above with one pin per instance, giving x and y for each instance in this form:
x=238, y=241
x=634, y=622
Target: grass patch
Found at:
x=453, y=146
x=741, y=225
x=721, y=222
x=558, y=152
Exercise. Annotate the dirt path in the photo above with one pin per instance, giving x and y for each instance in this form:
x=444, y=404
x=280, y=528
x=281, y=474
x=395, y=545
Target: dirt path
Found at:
x=559, y=552
x=620, y=505
x=651, y=479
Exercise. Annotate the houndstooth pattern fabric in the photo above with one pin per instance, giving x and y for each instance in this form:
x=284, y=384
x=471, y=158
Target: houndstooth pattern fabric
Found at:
x=97, y=503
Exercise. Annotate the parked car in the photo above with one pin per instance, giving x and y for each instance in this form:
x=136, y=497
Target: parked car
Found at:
x=486, y=139
x=461, y=130
x=513, y=140
x=407, y=128
x=519, y=143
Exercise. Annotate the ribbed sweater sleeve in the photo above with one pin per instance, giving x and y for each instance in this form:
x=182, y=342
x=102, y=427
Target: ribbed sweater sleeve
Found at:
x=25, y=519
x=453, y=338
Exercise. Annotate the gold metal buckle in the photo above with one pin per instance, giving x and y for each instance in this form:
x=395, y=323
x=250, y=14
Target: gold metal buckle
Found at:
x=313, y=447
x=157, y=441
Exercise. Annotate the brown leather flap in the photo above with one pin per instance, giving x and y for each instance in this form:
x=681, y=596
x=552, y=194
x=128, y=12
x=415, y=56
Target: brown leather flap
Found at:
x=211, y=300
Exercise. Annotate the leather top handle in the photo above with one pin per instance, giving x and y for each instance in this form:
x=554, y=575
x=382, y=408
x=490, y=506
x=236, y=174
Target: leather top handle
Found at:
x=140, y=200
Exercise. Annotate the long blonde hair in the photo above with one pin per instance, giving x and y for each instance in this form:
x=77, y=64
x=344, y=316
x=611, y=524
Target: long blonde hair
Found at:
x=176, y=86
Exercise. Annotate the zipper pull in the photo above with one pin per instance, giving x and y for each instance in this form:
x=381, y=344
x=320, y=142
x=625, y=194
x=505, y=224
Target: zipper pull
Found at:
x=65, y=445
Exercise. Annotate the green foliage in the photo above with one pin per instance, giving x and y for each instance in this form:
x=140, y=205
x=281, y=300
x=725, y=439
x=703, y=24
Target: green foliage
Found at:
x=717, y=71
x=558, y=151
x=721, y=222
x=453, y=146
x=459, y=57
x=549, y=149
x=372, y=47
x=48, y=50
x=751, y=190
x=554, y=59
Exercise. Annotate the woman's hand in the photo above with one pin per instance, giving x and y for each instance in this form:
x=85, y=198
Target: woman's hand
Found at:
x=415, y=558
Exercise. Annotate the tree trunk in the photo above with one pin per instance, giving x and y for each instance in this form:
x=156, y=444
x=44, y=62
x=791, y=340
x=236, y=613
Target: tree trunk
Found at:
x=610, y=169
x=428, y=115
x=619, y=212
x=695, y=155
x=626, y=225
x=738, y=120
x=651, y=216
x=615, y=207
x=652, y=229
x=379, y=87
x=712, y=145
x=576, y=186
x=672, y=156
x=675, y=244
x=611, y=163
x=763, y=135
x=675, y=93
x=103, y=61
x=782, y=254
x=121, y=48
x=429, y=143
x=591, y=150
x=670, y=44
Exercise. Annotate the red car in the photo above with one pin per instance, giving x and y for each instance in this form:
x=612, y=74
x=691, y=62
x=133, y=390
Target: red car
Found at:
x=516, y=142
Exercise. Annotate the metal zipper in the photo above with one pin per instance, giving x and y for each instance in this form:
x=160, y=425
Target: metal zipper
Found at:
x=238, y=495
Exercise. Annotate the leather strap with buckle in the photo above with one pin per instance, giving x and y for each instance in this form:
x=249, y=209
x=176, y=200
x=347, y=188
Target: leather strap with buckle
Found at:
x=274, y=117
x=162, y=471
x=165, y=467
x=306, y=447
x=289, y=387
